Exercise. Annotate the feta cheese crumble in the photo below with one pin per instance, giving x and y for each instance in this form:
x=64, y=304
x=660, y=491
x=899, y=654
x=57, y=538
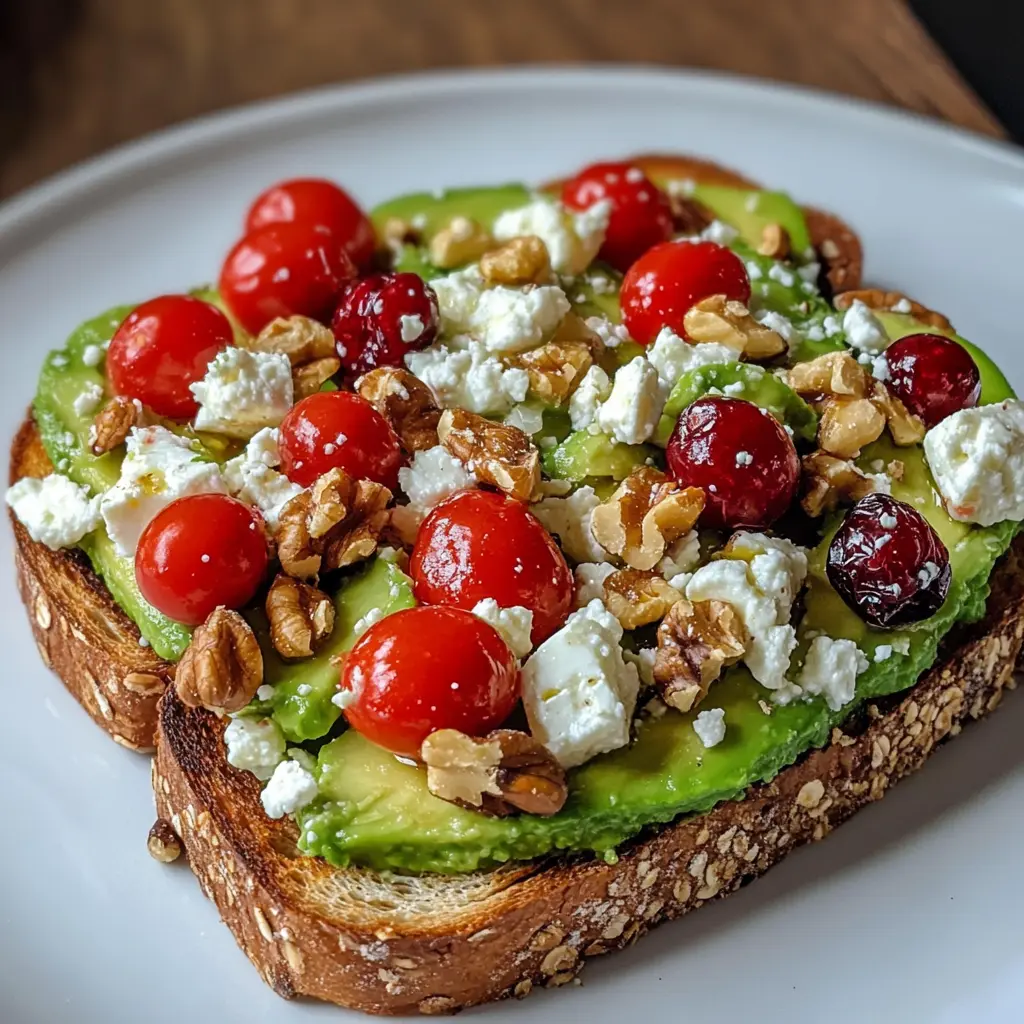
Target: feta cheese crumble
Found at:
x=572, y=239
x=55, y=510
x=570, y=519
x=469, y=378
x=514, y=624
x=432, y=475
x=527, y=417
x=92, y=355
x=634, y=406
x=590, y=577
x=290, y=788
x=243, y=392
x=87, y=399
x=252, y=477
x=411, y=327
x=254, y=745
x=863, y=329
x=710, y=726
x=593, y=389
x=673, y=356
x=831, y=669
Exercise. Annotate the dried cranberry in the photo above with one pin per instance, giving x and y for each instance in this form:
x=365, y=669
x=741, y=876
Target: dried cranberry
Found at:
x=933, y=376
x=381, y=318
x=887, y=563
x=742, y=458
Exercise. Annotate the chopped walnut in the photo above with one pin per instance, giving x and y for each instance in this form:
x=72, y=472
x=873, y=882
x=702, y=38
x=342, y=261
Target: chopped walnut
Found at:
x=222, y=667
x=835, y=373
x=337, y=522
x=696, y=641
x=895, y=469
x=688, y=215
x=402, y=527
x=462, y=241
x=905, y=427
x=729, y=323
x=496, y=453
x=113, y=424
x=163, y=842
x=555, y=369
x=775, y=242
x=646, y=513
x=520, y=261
x=396, y=232
x=893, y=302
x=499, y=774
x=300, y=338
x=829, y=482
x=638, y=596
x=300, y=616
x=405, y=402
x=848, y=424
x=310, y=378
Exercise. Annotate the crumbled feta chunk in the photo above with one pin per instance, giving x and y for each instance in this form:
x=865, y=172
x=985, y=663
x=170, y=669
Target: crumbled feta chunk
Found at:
x=469, y=378
x=92, y=355
x=578, y=691
x=863, y=329
x=782, y=325
x=527, y=417
x=411, y=327
x=594, y=388
x=252, y=477
x=243, y=392
x=977, y=459
x=590, y=577
x=720, y=233
x=159, y=467
x=710, y=726
x=634, y=406
x=254, y=745
x=87, y=399
x=514, y=624
x=55, y=510
x=572, y=239
x=902, y=305
x=831, y=669
x=644, y=661
x=681, y=556
x=570, y=519
x=371, y=618
x=290, y=788
x=432, y=475
x=611, y=335
x=673, y=356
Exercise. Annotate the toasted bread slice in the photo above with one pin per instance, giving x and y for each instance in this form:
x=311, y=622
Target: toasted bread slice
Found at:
x=433, y=944
x=80, y=631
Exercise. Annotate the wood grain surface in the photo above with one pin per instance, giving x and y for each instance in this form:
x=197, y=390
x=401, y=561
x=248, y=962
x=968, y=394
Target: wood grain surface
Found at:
x=79, y=76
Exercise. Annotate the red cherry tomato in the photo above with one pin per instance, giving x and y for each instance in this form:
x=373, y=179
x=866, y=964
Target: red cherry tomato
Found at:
x=425, y=669
x=201, y=552
x=381, y=318
x=286, y=269
x=338, y=428
x=640, y=216
x=669, y=279
x=933, y=376
x=740, y=456
x=316, y=201
x=164, y=346
x=479, y=544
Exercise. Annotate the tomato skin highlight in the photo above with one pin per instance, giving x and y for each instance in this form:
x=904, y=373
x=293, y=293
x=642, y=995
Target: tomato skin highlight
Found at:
x=163, y=346
x=316, y=201
x=668, y=280
x=285, y=269
x=200, y=552
x=479, y=544
x=424, y=669
x=338, y=429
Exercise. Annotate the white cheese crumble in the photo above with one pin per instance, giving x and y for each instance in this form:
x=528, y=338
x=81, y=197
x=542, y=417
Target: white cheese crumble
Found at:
x=243, y=392
x=469, y=378
x=572, y=239
x=611, y=335
x=411, y=327
x=514, y=624
x=290, y=788
x=680, y=559
x=710, y=726
x=527, y=417
x=782, y=325
x=634, y=406
x=570, y=519
x=92, y=355
x=720, y=233
x=254, y=745
x=593, y=389
x=55, y=510
x=977, y=459
x=831, y=669
x=432, y=475
x=590, y=577
x=87, y=399
x=252, y=477
x=863, y=329
x=371, y=618
x=673, y=356
x=578, y=691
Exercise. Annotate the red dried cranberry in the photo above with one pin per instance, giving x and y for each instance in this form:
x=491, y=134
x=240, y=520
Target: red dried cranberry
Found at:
x=383, y=317
x=887, y=563
x=933, y=376
x=742, y=458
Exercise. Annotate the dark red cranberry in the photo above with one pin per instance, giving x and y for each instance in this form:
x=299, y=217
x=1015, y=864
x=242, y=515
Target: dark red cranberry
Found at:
x=742, y=458
x=933, y=376
x=383, y=317
x=887, y=563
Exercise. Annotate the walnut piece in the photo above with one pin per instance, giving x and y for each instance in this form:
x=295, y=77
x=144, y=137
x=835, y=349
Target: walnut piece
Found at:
x=555, y=369
x=461, y=241
x=696, y=640
x=222, y=667
x=496, y=453
x=775, y=242
x=405, y=402
x=689, y=216
x=904, y=426
x=499, y=774
x=520, y=261
x=892, y=302
x=398, y=232
x=829, y=482
x=848, y=424
x=638, y=596
x=835, y=373
x=645, y=514
x=310, y=377
x=300, y=616
x=337, y=522
x=729, y=323
x=163, y=842
x=113, y=424
x=300, y=338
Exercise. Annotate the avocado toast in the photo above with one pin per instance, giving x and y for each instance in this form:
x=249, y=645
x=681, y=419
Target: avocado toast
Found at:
x=493, y=904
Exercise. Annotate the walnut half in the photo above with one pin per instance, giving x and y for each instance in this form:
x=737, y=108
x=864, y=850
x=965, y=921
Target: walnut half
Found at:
x=499, y=774
x=113, y=424
x=556, y=368
x=696, y=641
x=729, y=323
x=638, y=596
x=829, y=482
x=222, y=668
x=301, y=617
x=309, y=346
x=405, y=402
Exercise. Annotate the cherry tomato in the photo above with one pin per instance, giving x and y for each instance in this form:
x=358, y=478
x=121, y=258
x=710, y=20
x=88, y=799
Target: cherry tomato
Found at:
x=201, y=552
x=740, y=456
x=641, y=215
x=669, y=279
x=316, y=201
x=338, y=428
x=286, y=269
x=479, y=544
x=162, y=347
x=381, y=318
x=933, y=376
x=425, y=669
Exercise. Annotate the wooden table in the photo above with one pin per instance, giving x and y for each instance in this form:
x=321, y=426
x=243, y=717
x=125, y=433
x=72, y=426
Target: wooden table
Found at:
x=85, y=75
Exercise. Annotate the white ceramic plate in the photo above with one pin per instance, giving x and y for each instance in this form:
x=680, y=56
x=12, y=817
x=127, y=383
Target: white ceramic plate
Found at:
x=910, y=912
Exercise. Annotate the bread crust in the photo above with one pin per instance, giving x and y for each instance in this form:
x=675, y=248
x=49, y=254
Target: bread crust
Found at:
x=435, y=945
x=81, y=633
